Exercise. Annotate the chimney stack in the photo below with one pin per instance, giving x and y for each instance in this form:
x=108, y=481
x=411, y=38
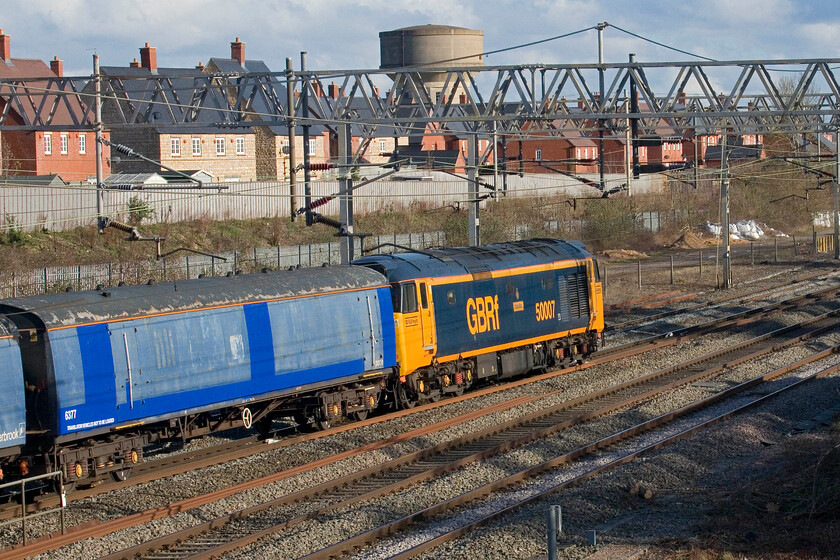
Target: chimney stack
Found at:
x=57, y=67
x=237, y=51
x=333, y=90
x=148, y=58
x=199, y=66
x=5, y=46
x=134, y=64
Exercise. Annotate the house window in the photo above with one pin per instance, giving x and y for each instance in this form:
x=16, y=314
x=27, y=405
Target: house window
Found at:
x=175, y=146
x=63, y=140
x=220, y=146
x=196, y=146
x=47, y=143
x=82, y=144
x=240, y=145
x=382, y=146
x=538, y=154
x=311, y=146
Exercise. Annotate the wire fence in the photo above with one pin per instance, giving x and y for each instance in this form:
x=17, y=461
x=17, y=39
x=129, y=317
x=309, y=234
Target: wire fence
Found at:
x=86, y=277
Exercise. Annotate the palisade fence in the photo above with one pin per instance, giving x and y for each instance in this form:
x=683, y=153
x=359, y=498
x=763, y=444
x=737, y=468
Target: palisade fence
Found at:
x=59, y=208
x=86, y=277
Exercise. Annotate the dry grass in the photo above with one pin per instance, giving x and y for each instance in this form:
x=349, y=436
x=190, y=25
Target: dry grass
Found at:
x=786, y=510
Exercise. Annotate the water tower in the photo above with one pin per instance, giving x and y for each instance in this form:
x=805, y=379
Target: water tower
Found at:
x=438, y=46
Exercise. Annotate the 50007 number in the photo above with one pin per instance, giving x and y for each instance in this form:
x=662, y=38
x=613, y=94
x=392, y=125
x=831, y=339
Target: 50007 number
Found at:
x=545, y=310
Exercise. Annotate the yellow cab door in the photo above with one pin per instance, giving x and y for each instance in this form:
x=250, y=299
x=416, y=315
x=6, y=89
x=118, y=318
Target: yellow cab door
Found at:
x=596, y=301
x=414, y=323
x=427, y=319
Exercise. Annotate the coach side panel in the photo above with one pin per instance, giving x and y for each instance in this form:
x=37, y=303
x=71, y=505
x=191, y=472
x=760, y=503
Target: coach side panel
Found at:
x=12, y=406
x=157, y=367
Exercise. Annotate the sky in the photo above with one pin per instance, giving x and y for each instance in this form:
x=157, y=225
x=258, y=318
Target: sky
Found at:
x=344, y=35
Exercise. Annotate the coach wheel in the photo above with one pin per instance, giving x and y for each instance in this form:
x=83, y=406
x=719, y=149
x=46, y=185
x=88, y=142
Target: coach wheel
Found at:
x=121, y=474
x=360, y=415
x=247, y=418
x=322, y=423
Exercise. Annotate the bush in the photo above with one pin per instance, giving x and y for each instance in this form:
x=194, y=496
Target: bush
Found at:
x=14, y=233
x=139, y=210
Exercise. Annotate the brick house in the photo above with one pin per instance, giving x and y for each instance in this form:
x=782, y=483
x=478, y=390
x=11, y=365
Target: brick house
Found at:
x=742, y=149
x=225, y=154
x=563, y=149
x=69, y=153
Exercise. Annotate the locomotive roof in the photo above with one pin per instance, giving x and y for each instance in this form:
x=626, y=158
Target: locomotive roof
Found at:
x=91, y=306
x=469, y=260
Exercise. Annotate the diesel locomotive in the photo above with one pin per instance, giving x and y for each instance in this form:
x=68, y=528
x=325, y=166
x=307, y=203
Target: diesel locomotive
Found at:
x=93, y=378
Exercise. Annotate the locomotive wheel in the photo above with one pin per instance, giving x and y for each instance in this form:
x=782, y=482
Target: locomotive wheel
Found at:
x=403, y=398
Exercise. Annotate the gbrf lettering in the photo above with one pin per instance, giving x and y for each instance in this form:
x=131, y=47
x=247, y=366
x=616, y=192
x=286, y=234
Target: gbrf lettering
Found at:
x=483, y=314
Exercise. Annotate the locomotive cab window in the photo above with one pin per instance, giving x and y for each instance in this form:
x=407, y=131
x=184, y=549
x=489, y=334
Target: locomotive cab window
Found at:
x=408, y=301
x=424, y=299
x=596, y=270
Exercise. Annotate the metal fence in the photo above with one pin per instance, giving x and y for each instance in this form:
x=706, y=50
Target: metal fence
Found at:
x=86, y=277
x=60, y=208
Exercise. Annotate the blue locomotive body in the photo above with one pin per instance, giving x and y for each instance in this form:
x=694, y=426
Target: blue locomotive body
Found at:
x=490, y=312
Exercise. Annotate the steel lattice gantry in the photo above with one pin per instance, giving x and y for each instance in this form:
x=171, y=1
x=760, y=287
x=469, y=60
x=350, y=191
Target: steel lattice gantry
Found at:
x=752, y=96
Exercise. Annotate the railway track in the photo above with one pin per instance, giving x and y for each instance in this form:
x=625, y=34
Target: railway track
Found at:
x=710, y=303
x=605, y=356
x=461, y=525
x=245, y=527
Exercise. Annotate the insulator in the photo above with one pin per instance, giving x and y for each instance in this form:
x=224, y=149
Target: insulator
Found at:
x=121, y=226
x=320, y=166
x=320, y=202
x=318, y=218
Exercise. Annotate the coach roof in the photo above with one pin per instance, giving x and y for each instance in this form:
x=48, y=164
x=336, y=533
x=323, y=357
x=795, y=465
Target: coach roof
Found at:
x=470, y=260
x=125, y=302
